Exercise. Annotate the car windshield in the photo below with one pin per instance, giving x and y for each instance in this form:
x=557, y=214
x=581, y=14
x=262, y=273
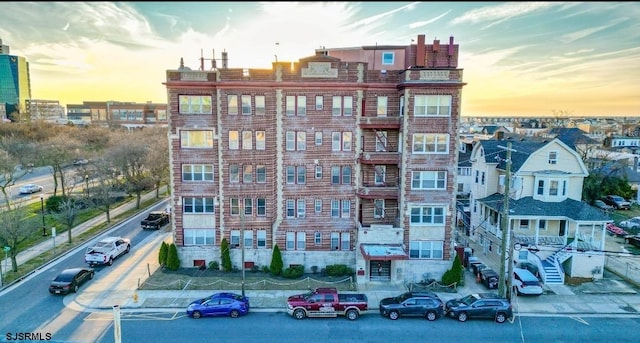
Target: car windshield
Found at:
x=469, y=299
x=64, y=278
x=402, y=297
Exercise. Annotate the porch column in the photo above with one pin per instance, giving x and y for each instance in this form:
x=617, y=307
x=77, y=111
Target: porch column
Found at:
x=537, y=224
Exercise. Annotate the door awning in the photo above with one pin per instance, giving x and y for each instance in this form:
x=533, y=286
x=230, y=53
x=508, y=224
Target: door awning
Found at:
x=384, y=252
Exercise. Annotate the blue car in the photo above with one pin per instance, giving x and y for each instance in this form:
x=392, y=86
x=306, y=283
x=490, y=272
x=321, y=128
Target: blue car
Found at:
x=219, y=304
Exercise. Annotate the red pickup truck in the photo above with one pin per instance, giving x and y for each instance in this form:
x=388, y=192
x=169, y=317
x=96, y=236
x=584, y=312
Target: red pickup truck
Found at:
x=327, y=302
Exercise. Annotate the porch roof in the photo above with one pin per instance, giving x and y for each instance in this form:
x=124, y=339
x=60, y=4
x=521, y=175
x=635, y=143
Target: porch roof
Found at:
x=528, y=207
x=384, y=252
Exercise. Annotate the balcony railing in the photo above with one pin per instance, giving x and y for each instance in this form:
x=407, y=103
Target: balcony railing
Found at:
x=378, y=192
x=379, y=157
x=380, y=123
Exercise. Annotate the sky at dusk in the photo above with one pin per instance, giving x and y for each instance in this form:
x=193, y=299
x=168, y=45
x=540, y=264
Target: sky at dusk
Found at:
x=519, y=58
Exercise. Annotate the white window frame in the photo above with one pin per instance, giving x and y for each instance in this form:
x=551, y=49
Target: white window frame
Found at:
x=430, y=143
x=301, y=240
x=234, y=140
x=290, y=208
x=260, y=105
x=247, y=173
x=432, y=105
x=429, y=180
x=234, y=238
x=335, y=240
x=196, y=139
x=248, y=239
x=199, y=236
x=261, y=173
x=291, y=240
x=345, y=241
x=232, y=104
x=246, y=105
x=553, y=157
x=261, y=140
x=319, y=102
x=318, y=137
x=317, y=238
x=378, y=208
x=318, y=206
x=381, y=107
x=427, y=214
x=198, y=205
x=234, y=173
x=197, y=172
x=194, y=104
x=380, y=174
x=345, y=211
x=261, y=239
x=247, y=140
x=335, y=208
x=318, y=172
x=261, y=207
x=301, y=208
x=435, y=250
x=387, y=58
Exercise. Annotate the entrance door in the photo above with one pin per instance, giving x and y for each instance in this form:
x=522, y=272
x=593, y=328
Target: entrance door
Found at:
x=380, y=270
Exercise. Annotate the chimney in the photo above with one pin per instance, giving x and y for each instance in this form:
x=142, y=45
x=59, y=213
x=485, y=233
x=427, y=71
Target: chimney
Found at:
x=225, y=60
x=421, y=52
x=436, y=45
x=451, y=46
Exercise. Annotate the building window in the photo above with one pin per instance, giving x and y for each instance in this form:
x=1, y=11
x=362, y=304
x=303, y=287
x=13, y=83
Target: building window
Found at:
x=260, y=107
x=382, y=106
x=197, y=172
x=345, y=241
x=235, y=238
x=232, y=104
x=196, y=139
x=336, y=108
x=261, y=207
x=296, y=140
x=426, y=249
x=234, y=140
x=318, y=206
x=197, y=205
x=346, y=175
x=318, y=172
x=195, y=104
x=248, y=207
x=427, y=214
x=553, y=188
x=291, y=241
x=261, y=238
x=542, y=224
x=341, y=141
x=301, y=172
x=260, y=140
x=301, y=208
x=553, y=157
x=378, y=208
x=301, y=240
x=247, y=173
x=247, y=140
x=335, y=175
x=199, y=236
x=430, y=143
x=246, y=105
x=291, y=174
x=482, y=178
x=540, y=187
x=380, y=175
x=319, y=138
x=234, y=173
x=381, y=141
x=346, y=209
x=335, y=241
x=296, y=105
x=429, y=180
x=335, y=208
x=432, y=105
x=317, y=238
x=248, y=239
x=524, y=224
x=319, y=103
x=387, y=57
x=234, y=203
x=291, y=208
x=261, y=174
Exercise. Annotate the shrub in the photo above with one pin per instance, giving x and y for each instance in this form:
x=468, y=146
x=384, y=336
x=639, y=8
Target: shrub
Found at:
x=293, y=272
x=225, y=255
x=314, y=269
x=173, y=261
x=339, y=270
x=255, y=269
x=214, y=265
x=162, y=255
x=276, y=262
x=454, y=274
x=265, y=269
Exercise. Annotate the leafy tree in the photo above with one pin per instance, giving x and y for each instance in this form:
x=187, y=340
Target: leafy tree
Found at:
x=453, y=275
x=173, y=261
x=225, y=255
x=276, y=262
x=162, y=255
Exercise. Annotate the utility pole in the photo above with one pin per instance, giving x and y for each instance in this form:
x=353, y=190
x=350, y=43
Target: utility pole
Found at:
x=242, y=246
x=505, y=227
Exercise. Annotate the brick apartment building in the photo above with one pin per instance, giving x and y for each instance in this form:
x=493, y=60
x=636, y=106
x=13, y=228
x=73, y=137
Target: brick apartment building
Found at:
x=345, y=157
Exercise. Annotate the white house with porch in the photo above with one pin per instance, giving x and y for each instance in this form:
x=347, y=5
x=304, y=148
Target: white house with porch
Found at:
x=549, y=224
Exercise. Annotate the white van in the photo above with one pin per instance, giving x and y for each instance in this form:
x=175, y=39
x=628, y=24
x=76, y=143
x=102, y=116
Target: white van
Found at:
x=525, y=283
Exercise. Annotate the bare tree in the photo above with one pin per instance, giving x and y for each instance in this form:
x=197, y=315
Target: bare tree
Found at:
x=157, y=159
x=70, y=205
x=106, y=185
x=57, y=152
x=131, y=160
x=10, y=166
x=17, y=226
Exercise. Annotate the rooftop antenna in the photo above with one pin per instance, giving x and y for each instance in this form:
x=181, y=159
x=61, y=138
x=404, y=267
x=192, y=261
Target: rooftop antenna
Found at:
x=212, y=59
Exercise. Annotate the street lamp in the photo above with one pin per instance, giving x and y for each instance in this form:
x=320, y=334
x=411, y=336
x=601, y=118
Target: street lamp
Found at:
x=86, y=184
x=44, y=228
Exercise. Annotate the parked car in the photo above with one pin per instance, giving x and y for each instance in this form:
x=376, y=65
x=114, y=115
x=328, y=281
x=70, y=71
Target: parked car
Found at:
x=479, y=305
x=530, y=267
x=525, y=283
x=603, y=206
x=30, y=188
x=631, y=223
x=412, y=304
x=489, y=278
x=229, y=295
x=618, y=202
x=218, y=306
x=616, y=231
x=80, y=161
x=69, y=280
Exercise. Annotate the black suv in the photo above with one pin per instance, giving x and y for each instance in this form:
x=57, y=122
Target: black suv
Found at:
x=417, y=304
x=480, y=305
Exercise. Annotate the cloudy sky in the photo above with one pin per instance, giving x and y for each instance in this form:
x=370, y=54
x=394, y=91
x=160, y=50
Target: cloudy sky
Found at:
x=519, y=58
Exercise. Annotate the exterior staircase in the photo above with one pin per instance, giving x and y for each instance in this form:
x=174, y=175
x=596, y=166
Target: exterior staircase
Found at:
x=552, y=266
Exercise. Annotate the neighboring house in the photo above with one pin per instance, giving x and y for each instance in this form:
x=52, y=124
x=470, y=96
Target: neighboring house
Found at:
x=576, y=139
x=622, y=169
x=557, y=231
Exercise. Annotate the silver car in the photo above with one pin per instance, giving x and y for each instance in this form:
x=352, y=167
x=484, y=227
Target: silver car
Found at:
x=30, y=188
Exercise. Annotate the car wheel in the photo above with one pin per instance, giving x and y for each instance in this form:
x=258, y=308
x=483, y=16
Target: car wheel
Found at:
x=91, y=275
x=501, y=317
x=352, y=314
x=299, y=314
x=126, y=251
x=393, y=315
x=462, y=316
x=75, y=289
x=110, y=261
x=431, y=316
x=234, y=314
x=196, y=314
